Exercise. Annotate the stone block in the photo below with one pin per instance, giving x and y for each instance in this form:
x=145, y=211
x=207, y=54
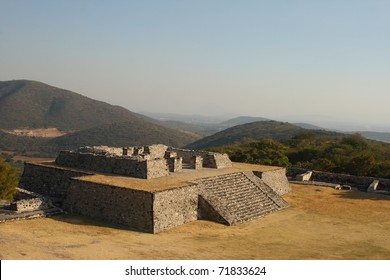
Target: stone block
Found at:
x=138, y=150
x=175, y=164
x=373, y=186
x=304, y=176
x=196, y=162
x=170, y=154
x=156, y=151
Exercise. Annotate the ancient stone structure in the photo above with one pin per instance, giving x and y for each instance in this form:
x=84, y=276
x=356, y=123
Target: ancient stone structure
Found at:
x=373, y=187
x=154, y=188
x=209, y=159
x=28, y=205
x=196, y=162
x=360, y=182
x=304, y=176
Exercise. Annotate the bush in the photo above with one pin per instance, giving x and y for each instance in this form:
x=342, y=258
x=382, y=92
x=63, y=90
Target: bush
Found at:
x=8, y=181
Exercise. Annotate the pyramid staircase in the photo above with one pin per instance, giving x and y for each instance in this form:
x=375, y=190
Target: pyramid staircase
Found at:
x=236, y=198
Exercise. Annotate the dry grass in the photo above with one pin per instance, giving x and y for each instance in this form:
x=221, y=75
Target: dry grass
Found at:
x=320, y=224
x=51, y=132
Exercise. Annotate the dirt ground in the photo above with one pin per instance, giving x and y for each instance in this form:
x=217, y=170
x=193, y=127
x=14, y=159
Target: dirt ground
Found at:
x=321, y=223
x=50, y=132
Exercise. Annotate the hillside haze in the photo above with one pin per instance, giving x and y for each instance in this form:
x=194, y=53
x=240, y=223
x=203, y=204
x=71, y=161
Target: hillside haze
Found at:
x=37, y=105
x=256, y=130
x=33, y=105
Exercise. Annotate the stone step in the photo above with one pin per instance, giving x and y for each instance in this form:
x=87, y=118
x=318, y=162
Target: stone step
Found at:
x=224, y=179
x=245, y=190
x=247, y=200
x=227, y=192
x=239, y=199
x=255, y=208
x=249, y=204
x=254, y=215
x=217, y=185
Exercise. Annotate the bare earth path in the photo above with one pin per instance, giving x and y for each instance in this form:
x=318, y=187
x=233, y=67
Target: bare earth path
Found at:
x=321, y=223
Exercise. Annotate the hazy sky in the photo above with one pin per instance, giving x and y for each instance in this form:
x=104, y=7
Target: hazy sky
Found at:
x=263, y=58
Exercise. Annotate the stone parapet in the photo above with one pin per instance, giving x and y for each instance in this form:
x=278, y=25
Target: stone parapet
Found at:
x=210, y=159
x=196, y=162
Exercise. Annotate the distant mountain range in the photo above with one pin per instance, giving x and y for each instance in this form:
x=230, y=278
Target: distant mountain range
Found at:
x=379, y=136
x=208, y=129
x=254, y=130
x=27, y=107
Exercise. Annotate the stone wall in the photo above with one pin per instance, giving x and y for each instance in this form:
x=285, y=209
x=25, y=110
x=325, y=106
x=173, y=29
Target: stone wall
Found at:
x=122, y=206
x=196, y=162
x=207, y=212
x=101, y=150
x=156, y=168
x=47, y=180
x=26, y=201
x=175, y=164
x=175, y=207
x=156, y=151
x=210, y=160
x=361, y=182
x=276, y=179
x=120, y=165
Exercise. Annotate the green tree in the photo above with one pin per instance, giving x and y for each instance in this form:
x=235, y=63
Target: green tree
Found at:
x=361, y=165
x=8, y=181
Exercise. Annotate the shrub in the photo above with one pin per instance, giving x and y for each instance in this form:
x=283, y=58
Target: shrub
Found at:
x=8, y=181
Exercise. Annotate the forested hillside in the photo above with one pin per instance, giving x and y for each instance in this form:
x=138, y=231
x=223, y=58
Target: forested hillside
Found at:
x=347, y=154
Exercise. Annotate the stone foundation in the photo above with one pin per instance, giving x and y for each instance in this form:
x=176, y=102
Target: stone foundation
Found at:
x=48, y=180
x=122, y=206
x=159, y=204
x=175, y=207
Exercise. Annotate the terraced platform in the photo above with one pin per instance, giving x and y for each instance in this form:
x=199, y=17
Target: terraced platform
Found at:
x=230, y=195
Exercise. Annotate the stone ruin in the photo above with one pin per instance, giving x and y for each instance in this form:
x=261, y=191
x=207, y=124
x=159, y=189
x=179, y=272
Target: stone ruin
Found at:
x=28, y=205
x=339, y=181
x=144, y=162
x=155, y=188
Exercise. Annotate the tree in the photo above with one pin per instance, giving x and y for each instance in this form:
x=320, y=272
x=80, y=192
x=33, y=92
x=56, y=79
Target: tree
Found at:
x=361, y=165
x=8, y=181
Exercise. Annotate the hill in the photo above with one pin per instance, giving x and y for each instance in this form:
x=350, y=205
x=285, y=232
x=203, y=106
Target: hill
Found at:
x=122, y=134
x=379, y=136
x=201, y=125
x=33, y=105
x=256, y=130
x=241, y=120
x=308, y=126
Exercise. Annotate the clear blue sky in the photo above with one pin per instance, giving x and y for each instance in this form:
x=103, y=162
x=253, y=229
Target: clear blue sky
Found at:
x=265, y=58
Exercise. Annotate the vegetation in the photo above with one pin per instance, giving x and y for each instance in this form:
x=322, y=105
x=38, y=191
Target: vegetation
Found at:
x=122, y=134
x=8, y=181
x=37, y=105
x=30, y=104
x=351, y=154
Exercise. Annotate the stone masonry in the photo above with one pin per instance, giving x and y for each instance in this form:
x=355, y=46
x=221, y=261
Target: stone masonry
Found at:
x=140, y=162
x=231, y=198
